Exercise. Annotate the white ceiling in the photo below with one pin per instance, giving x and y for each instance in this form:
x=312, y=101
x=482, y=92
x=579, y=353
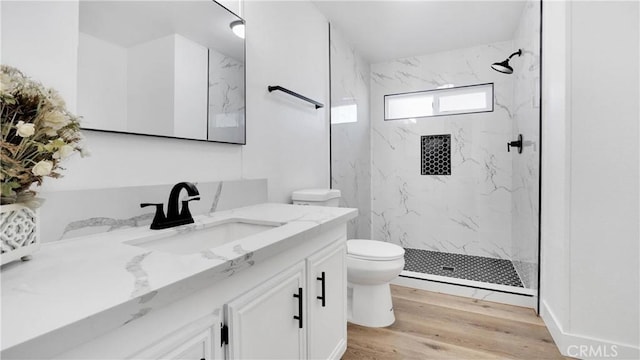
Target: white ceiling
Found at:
x=385, y=30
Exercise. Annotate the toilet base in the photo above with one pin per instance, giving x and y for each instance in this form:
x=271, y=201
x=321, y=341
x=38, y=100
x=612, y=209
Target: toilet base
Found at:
x=370, y=305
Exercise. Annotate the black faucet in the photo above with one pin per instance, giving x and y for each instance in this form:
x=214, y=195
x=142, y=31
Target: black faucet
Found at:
x=174, y=216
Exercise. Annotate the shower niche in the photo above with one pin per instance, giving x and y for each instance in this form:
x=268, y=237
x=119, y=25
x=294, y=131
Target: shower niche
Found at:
x=436, y=154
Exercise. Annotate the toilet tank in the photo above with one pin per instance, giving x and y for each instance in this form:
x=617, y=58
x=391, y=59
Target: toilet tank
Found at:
x=316, y=197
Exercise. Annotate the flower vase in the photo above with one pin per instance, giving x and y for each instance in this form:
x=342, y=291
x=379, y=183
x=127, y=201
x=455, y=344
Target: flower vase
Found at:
x=19, y=230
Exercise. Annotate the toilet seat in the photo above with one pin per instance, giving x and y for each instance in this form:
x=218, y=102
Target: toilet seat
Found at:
x=374, y=250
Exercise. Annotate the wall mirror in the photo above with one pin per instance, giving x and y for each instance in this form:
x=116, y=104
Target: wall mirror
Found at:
x=163, y=68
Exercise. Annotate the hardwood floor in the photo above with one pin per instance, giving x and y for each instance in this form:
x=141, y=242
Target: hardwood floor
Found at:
x=438, y=326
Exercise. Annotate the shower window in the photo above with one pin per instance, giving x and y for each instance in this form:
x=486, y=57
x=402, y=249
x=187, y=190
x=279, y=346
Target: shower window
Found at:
x=451, y=101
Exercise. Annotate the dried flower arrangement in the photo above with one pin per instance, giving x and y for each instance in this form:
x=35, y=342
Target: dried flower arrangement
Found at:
x=37, y=131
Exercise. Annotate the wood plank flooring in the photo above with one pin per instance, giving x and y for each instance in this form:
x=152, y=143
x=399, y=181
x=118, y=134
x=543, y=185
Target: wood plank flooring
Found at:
x=437, y=326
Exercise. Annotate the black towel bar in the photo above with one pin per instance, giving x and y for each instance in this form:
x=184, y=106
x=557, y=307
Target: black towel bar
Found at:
x=276, y=87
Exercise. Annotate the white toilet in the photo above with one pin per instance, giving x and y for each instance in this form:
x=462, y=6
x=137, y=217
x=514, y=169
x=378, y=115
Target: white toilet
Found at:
x=371, y=265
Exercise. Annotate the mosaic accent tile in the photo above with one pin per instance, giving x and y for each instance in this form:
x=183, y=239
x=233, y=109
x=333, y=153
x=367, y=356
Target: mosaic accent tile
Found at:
x=436, y=154
x=468, y=267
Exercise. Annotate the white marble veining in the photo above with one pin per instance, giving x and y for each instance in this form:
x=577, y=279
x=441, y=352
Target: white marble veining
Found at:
x=226, y=98
x=526, y=169
x=469, y=211
x=75, y=284
x=350, y=151
x=97, y=210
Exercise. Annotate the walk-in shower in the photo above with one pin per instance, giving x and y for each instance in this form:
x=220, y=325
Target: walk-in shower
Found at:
x=452, y=159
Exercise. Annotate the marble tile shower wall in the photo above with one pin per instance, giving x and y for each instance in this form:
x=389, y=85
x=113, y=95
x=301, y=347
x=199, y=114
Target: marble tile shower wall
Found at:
x=226, y=92
x=469, y=211
x=69, y=214
x=526, y=169
x=350, y=154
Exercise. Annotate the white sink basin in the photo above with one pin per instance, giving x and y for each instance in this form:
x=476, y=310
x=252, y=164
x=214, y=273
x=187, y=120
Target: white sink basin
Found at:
x=212, y=235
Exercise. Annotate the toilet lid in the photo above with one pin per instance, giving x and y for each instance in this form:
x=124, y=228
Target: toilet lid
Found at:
x=374, y=250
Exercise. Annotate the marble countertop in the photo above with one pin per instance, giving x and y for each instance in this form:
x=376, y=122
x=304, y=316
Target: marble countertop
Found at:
x=70, y=281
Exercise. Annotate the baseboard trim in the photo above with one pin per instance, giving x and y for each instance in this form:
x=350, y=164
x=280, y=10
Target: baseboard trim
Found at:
x=584, y=347
x=340, y=349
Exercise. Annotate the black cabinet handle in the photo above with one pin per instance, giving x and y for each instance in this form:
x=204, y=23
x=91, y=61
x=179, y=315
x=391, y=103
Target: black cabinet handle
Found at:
x=299, y=316
x=323, y=296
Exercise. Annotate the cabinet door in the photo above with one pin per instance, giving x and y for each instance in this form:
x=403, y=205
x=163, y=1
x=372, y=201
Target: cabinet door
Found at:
x=327, y=288
x=262, y=324
x=197, y=348
x=195, y=341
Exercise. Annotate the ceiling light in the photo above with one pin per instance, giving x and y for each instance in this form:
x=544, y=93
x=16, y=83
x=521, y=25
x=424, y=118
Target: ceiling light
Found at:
x=237, y=27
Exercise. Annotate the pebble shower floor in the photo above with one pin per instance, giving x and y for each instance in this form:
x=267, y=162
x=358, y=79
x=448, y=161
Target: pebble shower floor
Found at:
x=468, y=267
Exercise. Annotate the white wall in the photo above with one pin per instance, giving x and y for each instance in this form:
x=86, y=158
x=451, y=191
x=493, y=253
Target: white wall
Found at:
x=287, y=140
x=591, y=272
x=33, y=31
x=150, y=86
x=555, y=163
x=102, y=76
x=190, y=89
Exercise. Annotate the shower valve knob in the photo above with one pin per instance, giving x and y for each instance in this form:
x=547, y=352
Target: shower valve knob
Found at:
x=517, y=144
